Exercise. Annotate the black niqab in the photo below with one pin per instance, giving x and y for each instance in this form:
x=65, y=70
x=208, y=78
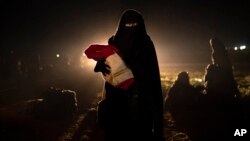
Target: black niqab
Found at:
x=127, y=37
x=138, y=52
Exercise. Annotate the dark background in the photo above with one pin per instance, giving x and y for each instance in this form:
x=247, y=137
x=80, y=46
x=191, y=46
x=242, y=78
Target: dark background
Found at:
x=179, y=29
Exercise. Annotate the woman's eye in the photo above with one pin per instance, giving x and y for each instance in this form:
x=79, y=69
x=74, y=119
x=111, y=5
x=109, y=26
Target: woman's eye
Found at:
x=131, y=24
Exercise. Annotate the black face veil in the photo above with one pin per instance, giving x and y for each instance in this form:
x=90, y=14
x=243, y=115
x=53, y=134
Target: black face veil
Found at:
x=131, y=23
x=139, y=54
x=131, y=28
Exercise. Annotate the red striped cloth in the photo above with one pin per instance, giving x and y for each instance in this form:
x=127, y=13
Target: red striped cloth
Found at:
x=120, y=75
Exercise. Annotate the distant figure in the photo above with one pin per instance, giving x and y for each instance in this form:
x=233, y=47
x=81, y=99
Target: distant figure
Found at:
x=181, y=101
x=219, y=79
x=135, y=113
x=221, y=96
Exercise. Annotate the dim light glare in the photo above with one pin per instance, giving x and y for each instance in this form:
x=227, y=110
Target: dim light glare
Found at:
x=198, y=79
x=57, y=55
x=87, y=63
x=101, y=40
x=91, y=63
x=235, y=48
x=242, y=47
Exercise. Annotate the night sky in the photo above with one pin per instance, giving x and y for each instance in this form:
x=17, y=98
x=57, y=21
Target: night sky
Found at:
x=179, y=30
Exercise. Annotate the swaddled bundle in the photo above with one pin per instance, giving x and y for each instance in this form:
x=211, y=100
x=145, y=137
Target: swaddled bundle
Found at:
x=120, y=75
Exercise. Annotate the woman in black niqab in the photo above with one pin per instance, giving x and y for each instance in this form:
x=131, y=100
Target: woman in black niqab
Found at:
x=141, y=106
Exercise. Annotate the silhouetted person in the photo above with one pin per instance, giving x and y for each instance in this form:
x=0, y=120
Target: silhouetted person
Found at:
x=220, y=83
x=136, y=113
x=181, y=101
x=221, y=92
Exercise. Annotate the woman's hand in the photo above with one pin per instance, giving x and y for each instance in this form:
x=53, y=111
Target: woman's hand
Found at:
x=102, y=67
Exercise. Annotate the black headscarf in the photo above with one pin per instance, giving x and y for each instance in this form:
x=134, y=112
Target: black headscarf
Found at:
x=219, y=76
x=219, y=54
x=131, y=27
x=130, y=35
x=138, y=52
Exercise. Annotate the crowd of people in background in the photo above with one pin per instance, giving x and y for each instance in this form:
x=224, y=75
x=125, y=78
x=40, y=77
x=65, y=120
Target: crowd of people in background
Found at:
x=213, y=112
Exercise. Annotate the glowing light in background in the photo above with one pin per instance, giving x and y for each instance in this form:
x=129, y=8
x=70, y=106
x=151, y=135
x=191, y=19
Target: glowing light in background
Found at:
x=87, y=63
x=242, y=47
x=198, y=79
x=164, y=77
x=57, y=55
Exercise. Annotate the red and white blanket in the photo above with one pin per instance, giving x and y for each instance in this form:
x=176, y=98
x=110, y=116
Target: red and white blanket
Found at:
x=120, y=75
